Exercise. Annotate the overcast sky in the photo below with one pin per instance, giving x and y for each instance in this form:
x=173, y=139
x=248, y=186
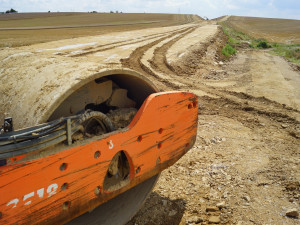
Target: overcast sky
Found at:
x=209, y=8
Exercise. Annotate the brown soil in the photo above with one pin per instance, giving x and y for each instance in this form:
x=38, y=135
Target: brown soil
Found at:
x=274, y=30
x=45, y=27
x=246, y=157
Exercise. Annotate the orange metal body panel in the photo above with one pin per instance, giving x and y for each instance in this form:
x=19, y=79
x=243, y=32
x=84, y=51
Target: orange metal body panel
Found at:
x=161, y=132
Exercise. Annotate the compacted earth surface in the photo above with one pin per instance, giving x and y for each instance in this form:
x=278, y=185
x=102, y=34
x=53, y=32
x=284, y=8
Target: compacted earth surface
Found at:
x=244, y=167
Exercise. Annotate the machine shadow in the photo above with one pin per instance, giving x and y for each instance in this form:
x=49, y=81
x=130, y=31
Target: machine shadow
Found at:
x=159, y=210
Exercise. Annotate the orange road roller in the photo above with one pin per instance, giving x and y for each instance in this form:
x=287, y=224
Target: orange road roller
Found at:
x=91, y=150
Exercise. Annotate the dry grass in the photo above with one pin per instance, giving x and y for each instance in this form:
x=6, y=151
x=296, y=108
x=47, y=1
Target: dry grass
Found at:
x=11, y=38
x=274, y=30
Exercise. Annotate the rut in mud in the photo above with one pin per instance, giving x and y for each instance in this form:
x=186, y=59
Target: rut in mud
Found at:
x=134, y=60
x=101, y=48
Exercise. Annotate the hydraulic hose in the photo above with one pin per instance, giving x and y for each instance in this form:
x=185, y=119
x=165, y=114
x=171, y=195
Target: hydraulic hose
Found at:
x=49, y=134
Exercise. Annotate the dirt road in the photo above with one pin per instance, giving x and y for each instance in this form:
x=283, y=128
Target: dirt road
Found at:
x=246, y=158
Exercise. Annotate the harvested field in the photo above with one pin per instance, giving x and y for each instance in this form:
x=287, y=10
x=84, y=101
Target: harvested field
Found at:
x=29, y=28
x=244, y=167
x=274, y=30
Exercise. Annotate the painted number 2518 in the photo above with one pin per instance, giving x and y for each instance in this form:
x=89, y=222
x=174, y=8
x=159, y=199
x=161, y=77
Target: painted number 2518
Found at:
x=51, y=190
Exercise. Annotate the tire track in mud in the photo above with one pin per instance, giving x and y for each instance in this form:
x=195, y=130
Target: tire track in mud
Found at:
x=248, y=103
x=195, y=57
x=105, y=47
x=108, y=46
x=242, y=101
x=159, y=63
x=277, y=109
x=261, y=100
x=134, y=60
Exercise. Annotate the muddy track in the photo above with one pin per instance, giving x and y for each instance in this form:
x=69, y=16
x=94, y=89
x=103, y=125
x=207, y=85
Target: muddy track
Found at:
x=246, y=145
x=194, y=59
x=101, y=48
x=158, y=61
x=274, y=111
x=172, y=72
x=134, y=60
x=275, y=117
x=261, y=100
x=159, y=56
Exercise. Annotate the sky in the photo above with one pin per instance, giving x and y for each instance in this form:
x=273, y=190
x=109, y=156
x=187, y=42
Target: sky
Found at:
x=289, y=9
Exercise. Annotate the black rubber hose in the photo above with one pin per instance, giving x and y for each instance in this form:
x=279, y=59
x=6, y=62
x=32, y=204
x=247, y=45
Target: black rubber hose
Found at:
x=34, y=148
x=32, y=142
x=24, y=138
x=53, y=135
x=43, y=131
x=45, y=143
x=26, y=131
x=48, y=127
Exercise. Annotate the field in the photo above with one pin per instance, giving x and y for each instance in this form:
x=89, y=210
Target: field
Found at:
x=244, y=167
x=274, y=30
x=28, y=28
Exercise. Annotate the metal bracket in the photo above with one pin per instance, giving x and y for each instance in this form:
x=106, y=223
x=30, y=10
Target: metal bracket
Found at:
x=7, y=125
x=69, y=132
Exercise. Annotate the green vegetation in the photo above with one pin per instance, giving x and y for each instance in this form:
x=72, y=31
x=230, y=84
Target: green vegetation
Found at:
x=234, y=37
x=228, y=50
x=238, y=39
x=263, y=44
x=232, y=42
x=290, y=52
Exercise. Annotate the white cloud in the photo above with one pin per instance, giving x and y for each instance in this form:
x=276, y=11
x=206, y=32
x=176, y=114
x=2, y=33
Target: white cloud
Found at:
x=231, y=6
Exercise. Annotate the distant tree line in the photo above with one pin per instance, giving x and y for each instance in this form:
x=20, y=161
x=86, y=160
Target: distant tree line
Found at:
x=11, y=11
x=104, y=12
